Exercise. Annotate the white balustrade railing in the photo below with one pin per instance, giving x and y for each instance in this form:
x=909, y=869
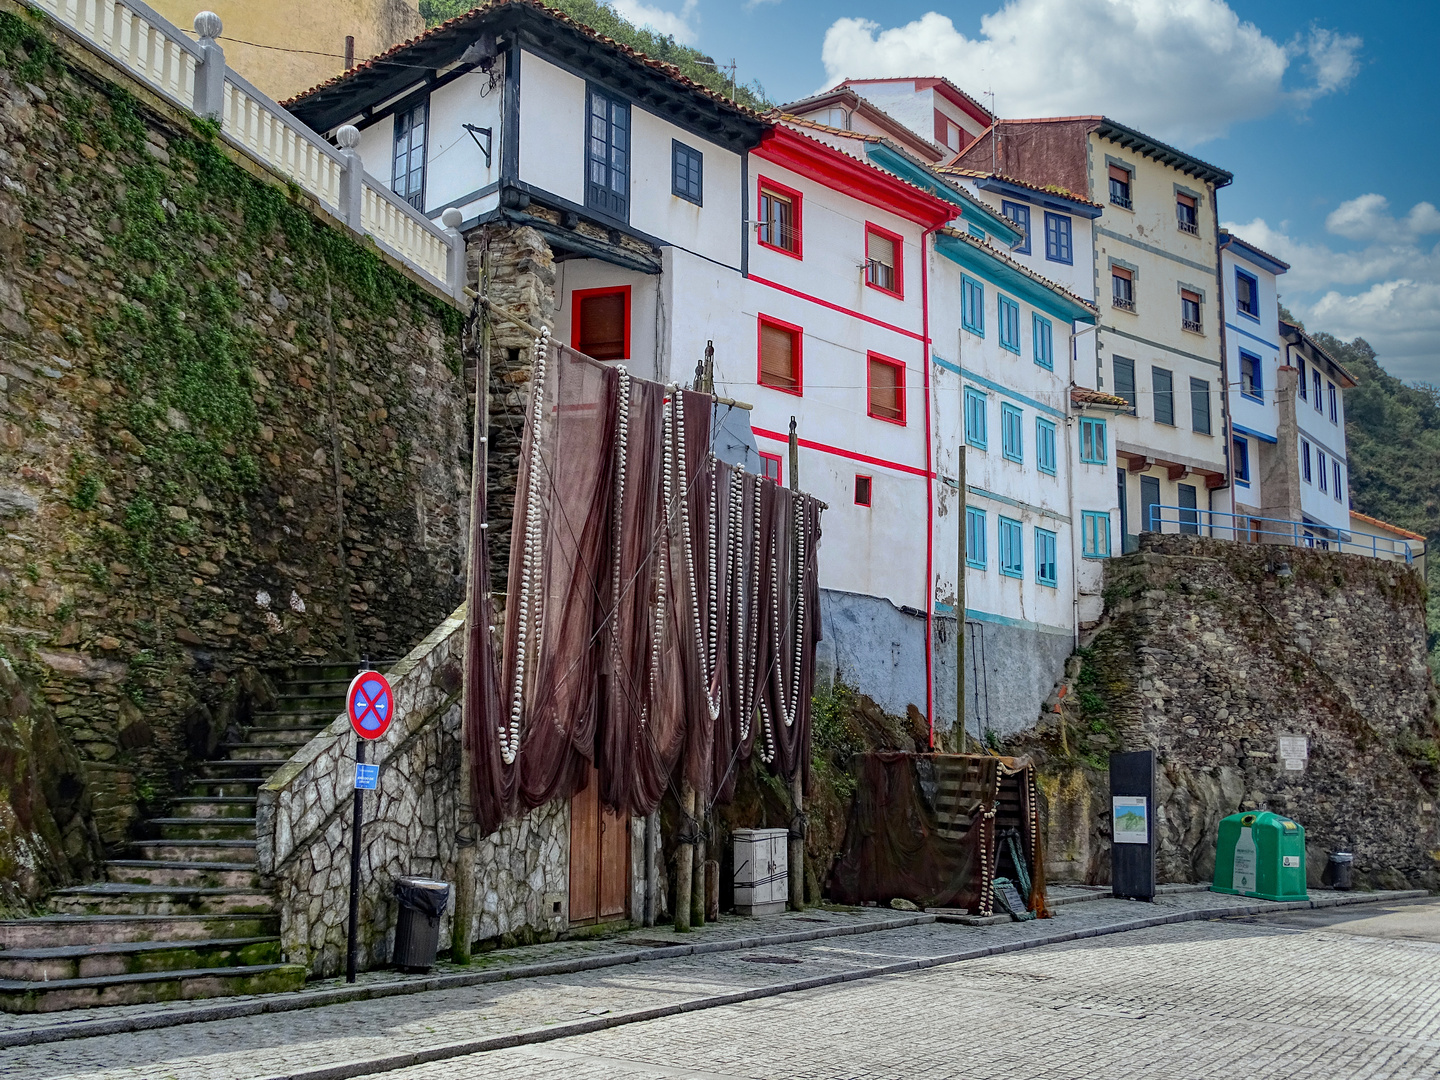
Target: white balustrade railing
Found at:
x=194, y=75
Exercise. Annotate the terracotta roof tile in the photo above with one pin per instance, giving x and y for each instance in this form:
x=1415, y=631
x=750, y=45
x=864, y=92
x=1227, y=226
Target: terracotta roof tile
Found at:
x=990, y=249
x=1406, y=533
x=1083, y=395
x=979, y=174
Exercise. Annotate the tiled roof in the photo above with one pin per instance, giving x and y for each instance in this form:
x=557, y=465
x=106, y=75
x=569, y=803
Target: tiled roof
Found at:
x=990, y=249
x=668, y=70
x=978, y=174
x=1083, y=395
x=1226, y=236
x=869, y=106
x=928, y=79
x=1396, y=529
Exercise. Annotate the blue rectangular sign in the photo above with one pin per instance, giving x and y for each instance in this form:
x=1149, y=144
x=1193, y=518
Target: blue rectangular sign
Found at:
x=366, y=777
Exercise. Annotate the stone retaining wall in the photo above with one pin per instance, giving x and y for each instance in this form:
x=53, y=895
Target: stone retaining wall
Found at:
x=412, y=827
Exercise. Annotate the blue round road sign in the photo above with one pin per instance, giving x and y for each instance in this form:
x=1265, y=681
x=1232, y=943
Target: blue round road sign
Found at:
x=370, y=704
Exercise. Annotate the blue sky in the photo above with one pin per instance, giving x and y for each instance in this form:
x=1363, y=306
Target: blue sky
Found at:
x=1326, y=113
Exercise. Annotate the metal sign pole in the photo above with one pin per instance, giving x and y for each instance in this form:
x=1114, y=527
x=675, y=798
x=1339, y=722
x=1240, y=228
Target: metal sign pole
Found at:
x=352, y=943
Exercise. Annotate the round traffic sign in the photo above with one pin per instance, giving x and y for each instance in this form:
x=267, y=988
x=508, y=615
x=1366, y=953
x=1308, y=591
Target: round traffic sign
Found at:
x=370, y=703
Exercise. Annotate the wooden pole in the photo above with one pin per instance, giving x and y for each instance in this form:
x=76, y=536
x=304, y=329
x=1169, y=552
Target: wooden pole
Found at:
x=685, y=859
x=697, y=883
x=796, y=869
x=465, y=837
x=964, y=740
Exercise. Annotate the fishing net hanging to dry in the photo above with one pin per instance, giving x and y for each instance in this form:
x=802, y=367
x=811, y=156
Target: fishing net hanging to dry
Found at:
x=661, y=604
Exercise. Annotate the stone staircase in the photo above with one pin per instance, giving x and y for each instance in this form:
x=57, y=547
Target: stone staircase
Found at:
x=184, y=914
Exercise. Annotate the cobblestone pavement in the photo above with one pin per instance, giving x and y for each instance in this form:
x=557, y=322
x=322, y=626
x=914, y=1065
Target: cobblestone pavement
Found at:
x=1200, y=980
x=1249, y=1000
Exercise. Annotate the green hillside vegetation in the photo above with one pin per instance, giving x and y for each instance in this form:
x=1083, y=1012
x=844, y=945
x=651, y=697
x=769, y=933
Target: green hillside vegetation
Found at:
x=1393, y=433
x=601, y=17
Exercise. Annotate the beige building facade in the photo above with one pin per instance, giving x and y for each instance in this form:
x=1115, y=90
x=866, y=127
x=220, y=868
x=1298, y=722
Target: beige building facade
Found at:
x=286, y=46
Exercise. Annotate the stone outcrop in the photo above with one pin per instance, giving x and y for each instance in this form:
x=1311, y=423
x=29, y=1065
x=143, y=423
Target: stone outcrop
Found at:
x=231, y=436
x=412, y=827
x=1210, y=652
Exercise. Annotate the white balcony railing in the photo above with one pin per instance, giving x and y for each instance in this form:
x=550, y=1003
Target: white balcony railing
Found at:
x=194, y=76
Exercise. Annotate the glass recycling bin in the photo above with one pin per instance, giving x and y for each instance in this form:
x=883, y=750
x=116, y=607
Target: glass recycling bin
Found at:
x=1260, y=855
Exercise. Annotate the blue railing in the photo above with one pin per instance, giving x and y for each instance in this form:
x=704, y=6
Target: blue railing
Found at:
x=1246, y=528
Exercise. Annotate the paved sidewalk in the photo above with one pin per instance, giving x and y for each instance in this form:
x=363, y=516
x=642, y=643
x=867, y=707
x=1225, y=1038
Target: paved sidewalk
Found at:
x=367, y=1037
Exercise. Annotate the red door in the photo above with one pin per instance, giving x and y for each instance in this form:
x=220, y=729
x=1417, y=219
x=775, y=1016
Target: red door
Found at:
x=599, y=858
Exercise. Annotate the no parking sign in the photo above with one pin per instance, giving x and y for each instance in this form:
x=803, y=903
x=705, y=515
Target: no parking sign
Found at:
x=370, y=704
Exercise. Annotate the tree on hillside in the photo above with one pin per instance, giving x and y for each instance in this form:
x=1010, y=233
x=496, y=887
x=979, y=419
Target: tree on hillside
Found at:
x=1393, y=435
x=693, y=64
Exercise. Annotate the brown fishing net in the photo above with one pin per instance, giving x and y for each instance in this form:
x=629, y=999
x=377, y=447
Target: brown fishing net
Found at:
x=937, y=829
x=662, y=606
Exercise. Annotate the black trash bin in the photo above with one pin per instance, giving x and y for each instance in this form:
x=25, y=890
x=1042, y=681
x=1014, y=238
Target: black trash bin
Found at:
x=1338, y=870
x=417, y=933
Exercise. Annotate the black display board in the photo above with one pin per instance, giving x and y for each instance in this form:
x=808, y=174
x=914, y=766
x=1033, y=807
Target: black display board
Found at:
x=1132, y=864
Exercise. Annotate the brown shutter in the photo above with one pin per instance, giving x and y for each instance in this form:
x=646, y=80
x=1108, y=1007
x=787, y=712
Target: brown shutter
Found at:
x=1117, y=173
x=602, y=326
x=1186, y=200
x=1123, y=275
x=777, y=357
x=862, y=490
x=886, y=390
x=880, y=251
x=942, y=132
x=1185, y=294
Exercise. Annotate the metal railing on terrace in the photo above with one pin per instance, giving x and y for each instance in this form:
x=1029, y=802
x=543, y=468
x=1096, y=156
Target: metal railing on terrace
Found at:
x=194, y=76
x=1247, y=529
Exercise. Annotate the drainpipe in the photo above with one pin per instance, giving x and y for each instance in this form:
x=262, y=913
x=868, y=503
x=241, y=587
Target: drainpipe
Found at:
x=929, y=487
x=1075, y=548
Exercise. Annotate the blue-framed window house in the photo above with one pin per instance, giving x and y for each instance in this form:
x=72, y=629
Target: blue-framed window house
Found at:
x=1012, y=442
x=1252, y=377
x=1046, y=568
x=975, y=433
x=1095, y=534
x=1019, y=213
x=1043, y=338
x=972, y=305
x=975, y=537
x=1012, y=552
x=1045, y=446
x=1093, y=448
x=1058, y=245
x=1009, y=325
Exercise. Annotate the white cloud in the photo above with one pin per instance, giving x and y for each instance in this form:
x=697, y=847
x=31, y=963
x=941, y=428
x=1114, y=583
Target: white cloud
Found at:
x=679, y=26
x=1383, y=286
x=1184, y=70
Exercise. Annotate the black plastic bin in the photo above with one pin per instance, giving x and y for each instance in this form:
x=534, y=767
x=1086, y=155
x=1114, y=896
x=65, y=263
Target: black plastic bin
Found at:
x=417, y=933
x=1338, y=870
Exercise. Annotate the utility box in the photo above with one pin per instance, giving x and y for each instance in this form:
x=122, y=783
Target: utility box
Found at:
x=1261, y=855
x=762, y=885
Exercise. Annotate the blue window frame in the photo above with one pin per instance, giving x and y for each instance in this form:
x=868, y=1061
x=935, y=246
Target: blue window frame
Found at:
x=1247, y=295
x=1057, y=238
x=1334, y=403
x=1019, y=213
x=1305, y=460
x=1009, y=325
x=1012, y=553
x=1242, y=461
x=1046, y=570
x=1045, y=446
x=972, y=305
x=1323, y=469
x=975, y=418
x=1012, y=442
x=687, y=171
x=1043, y=336
x=1252, y=377
x=1339, y=487
x=1093, y=449
x=975, y=537
x=1095, y=534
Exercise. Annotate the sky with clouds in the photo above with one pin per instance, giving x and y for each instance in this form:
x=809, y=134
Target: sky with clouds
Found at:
x=1325, y=111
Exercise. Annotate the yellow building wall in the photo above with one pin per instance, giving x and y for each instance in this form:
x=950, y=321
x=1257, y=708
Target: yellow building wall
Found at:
x=296, y=44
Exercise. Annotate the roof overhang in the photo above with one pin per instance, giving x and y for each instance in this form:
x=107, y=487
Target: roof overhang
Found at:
x=838, y=170
x=1048, y=199
x=1131, y=139
x=1311, y=350
x=914, y=173
x=1007, y=275
x=855, y=102
x=1252, y=255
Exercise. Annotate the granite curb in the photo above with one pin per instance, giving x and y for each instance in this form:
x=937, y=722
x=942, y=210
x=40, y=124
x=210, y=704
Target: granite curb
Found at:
x=301, y=999
x=375, y=1066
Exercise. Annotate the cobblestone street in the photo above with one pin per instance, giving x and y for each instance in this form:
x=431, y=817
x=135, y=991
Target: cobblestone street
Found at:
x=1341, y=992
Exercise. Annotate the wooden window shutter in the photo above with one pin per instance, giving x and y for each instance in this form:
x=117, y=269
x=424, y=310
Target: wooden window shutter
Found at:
x=1117, y=173
x=1186, y=294
x=1186, y=200
x=886, y=390
x=777, y=357
x=602, y=326
x=1121, y=273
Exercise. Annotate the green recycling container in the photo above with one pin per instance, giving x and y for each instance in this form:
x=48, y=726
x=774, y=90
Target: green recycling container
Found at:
x=1261, y=855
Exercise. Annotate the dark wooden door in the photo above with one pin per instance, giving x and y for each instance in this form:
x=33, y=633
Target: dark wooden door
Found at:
x=599, y=858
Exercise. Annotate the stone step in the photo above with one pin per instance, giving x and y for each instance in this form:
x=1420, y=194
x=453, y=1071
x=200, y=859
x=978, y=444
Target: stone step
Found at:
x=242, y=786
x=115, y=898
x=290, y=737
x=129, y=958
x=316, y=718
x=174, y=872
x=310, y=699
x=53, y=931
x=260, y=751
x=181, y=828
x=197, y=851
x=218, y=806
x=221, y=768
x=25, y=997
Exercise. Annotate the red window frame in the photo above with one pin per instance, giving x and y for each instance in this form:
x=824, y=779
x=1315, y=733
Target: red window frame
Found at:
x=778, y=462
x=797, y=204
x=869, y=489
x=899, y=366
x=797, y=353
x=899, y=242
x=575, y=302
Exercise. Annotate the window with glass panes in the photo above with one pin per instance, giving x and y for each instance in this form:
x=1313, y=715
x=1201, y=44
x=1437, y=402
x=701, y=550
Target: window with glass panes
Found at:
x=1122, y=288
x=1046, y=568
x=1009, y=324
x=686, y=172
x=975, y=433
x=972, y=305
x=1012, y=552
x=1093, y=450
x=1043, y=339
x=407, y=171
x=779, y=226
x=1120, y=186
x=607, y=173
x=1251, y=380
x=1057, y=238
x=882, y=260
x=1045, y=445
x=1095, y=535
x=1019, y=213
x=1185, y=215
x=975, y=537
x=1190, y=311
x=1012, y=443
x=1247, y=294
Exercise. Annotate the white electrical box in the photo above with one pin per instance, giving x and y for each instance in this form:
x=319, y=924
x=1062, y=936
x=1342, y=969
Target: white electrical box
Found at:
x=762, y=885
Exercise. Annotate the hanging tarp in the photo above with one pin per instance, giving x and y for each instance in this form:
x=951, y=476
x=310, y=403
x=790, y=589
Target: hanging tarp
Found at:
x=937, y=829
x=662, y=609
